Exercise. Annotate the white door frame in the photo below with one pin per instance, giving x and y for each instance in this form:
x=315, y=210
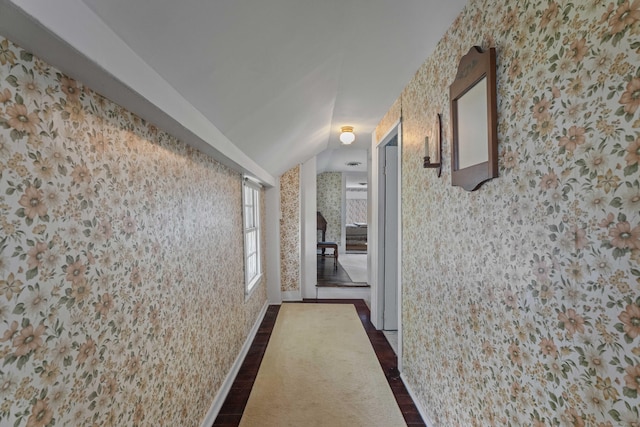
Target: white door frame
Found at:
x=308, y=229
x=373, y=257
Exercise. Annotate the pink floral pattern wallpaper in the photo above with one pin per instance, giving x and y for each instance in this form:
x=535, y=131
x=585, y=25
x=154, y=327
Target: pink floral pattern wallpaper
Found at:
x=329, y=203
x=121, y=261
x=521, y=301
x=290, y=230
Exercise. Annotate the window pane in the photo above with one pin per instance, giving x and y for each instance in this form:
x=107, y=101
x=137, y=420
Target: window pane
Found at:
x=248, y=217
x=251, y=242
x=252, y=267
x=251, y=222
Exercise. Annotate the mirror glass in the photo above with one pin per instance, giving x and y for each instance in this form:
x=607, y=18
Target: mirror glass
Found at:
x=472, y=126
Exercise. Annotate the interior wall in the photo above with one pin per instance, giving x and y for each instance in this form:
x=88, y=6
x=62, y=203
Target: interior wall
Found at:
x=308, y=185
x=521, y=300
x=290, y=232
x=272, y=250
x=121, y=260
x=329, y=202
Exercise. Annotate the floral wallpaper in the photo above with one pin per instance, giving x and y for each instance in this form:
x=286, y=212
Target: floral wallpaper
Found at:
x=290, y=230
x=329, y=204
x=121, y=261
x=521, y=301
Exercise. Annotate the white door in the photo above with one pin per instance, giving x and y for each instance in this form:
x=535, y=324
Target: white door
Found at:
x=390, y=248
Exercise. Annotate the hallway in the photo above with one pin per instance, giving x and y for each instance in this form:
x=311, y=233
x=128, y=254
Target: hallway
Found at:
x=231, y=412
x=157, y=195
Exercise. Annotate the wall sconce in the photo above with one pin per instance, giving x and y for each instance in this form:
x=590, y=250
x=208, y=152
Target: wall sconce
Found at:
x=438, y=144
x=346, y=135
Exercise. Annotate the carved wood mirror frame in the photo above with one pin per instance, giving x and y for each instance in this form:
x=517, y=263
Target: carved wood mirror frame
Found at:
x=474, y=120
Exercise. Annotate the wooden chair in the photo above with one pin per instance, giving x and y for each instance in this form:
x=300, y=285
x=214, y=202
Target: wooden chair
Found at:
x=330, y=245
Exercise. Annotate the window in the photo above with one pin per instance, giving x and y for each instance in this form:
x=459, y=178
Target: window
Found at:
x=251, y=212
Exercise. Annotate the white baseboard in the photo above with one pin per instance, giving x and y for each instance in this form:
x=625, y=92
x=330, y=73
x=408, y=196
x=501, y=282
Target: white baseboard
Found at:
x=218, y=401
x=291, y=296
x=421, y=410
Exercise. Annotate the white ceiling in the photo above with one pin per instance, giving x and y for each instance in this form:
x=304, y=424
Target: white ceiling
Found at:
x=262, y=85
x=280, y=77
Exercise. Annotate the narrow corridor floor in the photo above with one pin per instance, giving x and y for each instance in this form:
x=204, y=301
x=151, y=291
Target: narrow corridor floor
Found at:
x=233, y=407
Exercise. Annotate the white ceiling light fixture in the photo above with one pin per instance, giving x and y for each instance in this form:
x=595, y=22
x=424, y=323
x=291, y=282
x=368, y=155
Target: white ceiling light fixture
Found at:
x=346, y=135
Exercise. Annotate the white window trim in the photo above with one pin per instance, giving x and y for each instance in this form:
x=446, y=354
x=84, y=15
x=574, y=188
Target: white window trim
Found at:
x=250, y=283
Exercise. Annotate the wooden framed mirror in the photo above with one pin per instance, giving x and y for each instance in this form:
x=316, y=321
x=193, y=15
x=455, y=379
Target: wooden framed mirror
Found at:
x=474, y=120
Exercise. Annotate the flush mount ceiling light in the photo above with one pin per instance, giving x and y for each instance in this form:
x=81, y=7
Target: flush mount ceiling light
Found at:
x=346, y=135
x=353, y=163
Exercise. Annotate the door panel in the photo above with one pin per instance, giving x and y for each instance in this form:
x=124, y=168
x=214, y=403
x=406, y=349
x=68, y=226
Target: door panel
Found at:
x=390, y=277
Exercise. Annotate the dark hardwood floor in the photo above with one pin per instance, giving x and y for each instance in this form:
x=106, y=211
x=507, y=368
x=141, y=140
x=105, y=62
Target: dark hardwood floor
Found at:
x=231, y=412
x=236, y=400
x=330, y=276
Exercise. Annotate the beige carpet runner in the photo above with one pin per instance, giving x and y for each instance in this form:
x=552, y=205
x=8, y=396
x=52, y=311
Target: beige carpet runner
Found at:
x=320, y=370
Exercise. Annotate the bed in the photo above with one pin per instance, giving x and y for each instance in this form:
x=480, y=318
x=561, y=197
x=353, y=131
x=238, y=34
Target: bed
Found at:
x=356, y=236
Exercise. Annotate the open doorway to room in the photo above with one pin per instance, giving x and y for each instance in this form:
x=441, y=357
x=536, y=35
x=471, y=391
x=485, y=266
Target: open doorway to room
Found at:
x=386, y=237
x=388, y=233
x=342, y=226
x=355, y=225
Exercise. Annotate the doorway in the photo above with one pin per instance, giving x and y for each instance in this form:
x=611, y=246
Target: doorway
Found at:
x=386, y=238
x=388, y=233
x=341, y=218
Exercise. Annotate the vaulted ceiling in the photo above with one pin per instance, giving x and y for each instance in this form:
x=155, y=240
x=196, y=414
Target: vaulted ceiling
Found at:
x=280, y=77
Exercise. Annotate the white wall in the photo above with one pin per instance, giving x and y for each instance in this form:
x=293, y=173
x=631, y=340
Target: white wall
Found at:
x=272, y=233
x=356, y=195
x=309, y=268
x=75, y=43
